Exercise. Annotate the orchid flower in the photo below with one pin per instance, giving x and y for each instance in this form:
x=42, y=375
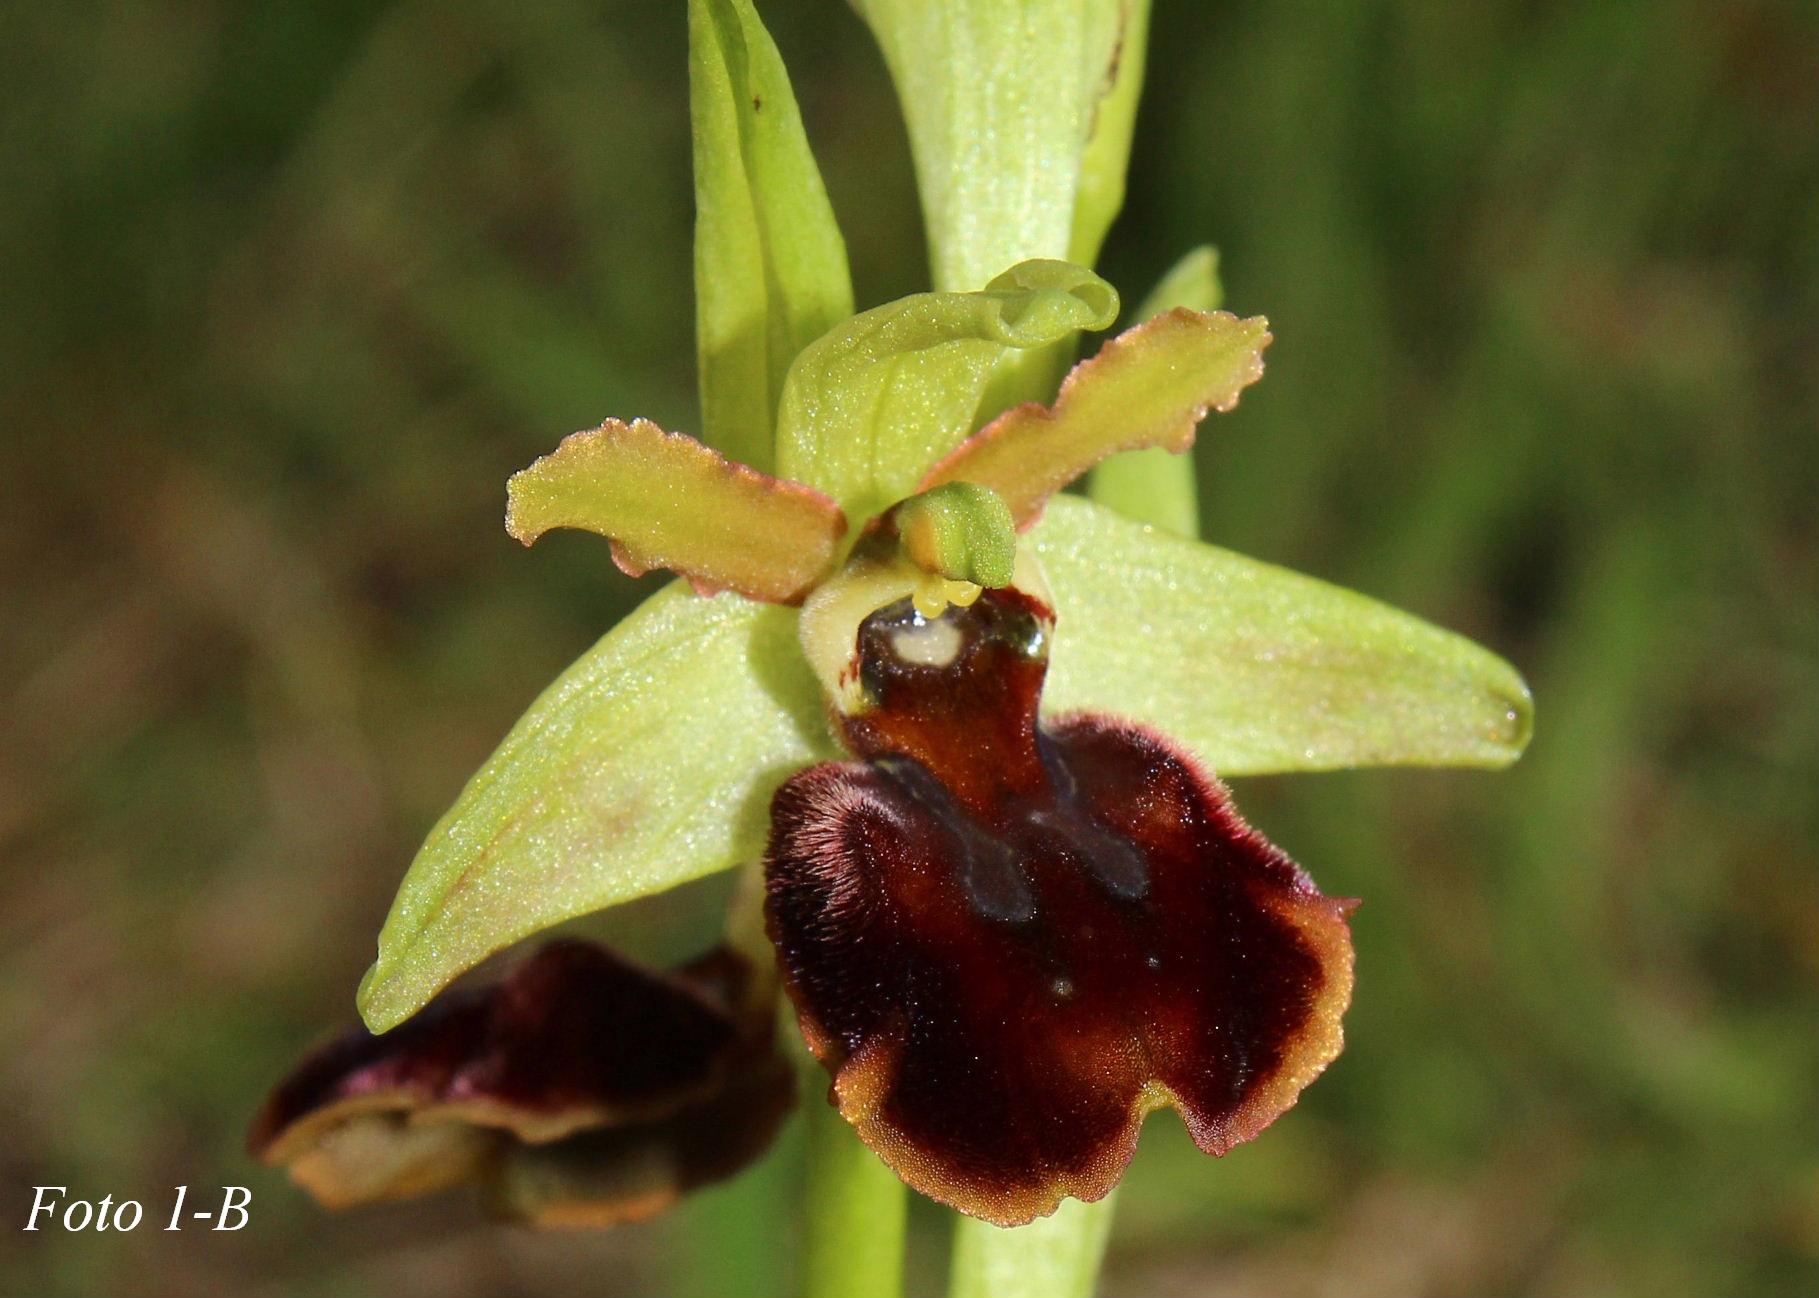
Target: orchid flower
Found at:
x=970, y=728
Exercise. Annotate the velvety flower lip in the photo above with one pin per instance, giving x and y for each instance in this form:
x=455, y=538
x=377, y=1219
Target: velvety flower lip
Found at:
x=581, y=1089
x=1009, y=942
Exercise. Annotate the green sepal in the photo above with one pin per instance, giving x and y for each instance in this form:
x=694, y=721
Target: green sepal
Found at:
x=1258, y=669
x=649, y=762
x=770, y=265
x=868, y=407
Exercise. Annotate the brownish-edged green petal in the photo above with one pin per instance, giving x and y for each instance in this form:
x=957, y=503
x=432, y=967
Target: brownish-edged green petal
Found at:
x=1002, y=101
x=1148, y=387
x=1151, y=485
x=667, y=501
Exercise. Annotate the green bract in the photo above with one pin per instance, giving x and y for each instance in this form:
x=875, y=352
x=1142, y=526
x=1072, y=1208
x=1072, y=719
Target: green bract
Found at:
x=1099, y=194
x=770, y=266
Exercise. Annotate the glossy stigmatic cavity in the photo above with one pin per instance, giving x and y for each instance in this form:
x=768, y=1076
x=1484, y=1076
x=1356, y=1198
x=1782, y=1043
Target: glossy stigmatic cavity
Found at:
x=1008, y=943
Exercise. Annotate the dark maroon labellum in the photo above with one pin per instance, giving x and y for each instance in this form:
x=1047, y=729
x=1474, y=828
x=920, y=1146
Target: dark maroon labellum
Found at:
x=1009, y=942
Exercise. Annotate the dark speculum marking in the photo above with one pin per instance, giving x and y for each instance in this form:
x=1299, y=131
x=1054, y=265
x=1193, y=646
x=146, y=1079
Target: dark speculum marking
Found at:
x=1009, y=942
x=571, y=1092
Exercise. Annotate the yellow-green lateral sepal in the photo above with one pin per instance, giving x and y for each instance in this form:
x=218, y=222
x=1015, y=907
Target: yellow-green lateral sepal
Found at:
x=649, y=762
x=770, y=265
x=1148, y=387
x=960, y=531
x=870, y=405
x=1256, y=668
x=667, y=501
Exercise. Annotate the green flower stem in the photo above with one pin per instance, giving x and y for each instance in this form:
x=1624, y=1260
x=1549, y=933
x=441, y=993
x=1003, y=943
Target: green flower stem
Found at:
x=1054, y=1257
x=853, y=1245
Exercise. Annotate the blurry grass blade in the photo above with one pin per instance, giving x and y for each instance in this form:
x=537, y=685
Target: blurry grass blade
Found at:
x=1108, y=148
x=871, y=405
x=1001, y=99
x=649, y=762
x=1153, y=486
x=770, y=265
x=1192, y=282
x=1148, y=387
x=667, y=501
x=1259, y=669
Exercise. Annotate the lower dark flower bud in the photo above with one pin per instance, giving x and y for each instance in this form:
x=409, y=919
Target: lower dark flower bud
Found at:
x=583, y=1089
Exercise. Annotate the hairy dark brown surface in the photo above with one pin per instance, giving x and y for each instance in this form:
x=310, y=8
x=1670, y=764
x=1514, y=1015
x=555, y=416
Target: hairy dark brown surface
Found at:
x=1008, y=943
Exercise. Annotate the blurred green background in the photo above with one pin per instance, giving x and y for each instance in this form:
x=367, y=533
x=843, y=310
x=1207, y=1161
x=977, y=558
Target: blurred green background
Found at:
x=290, y=289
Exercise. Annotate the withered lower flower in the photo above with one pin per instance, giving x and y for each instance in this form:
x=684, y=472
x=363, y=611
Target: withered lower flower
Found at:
x=582, y=1089
x=1009, y=941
